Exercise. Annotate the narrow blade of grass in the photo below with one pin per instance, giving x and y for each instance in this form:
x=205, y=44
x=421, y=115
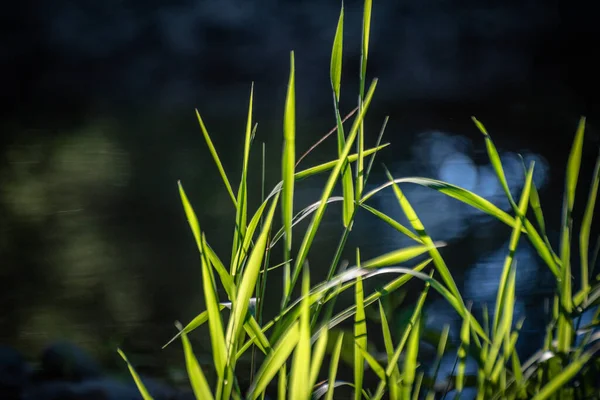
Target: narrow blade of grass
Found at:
x=299, y=390
x=410, y=361
x=333, y=366
x=195, y=374
x=138, y=381
x=215, y=325
x=247, y=285
x=465, y=335
x=392, y=222
x=318, y=216
x=287, y=171
x=317, y=358
x=274, y=361
x=586, y=225
x=389, y=349
x=366, y=30
x=216, y=158
x=360, y=338
x=441, y=349
x=400, y=256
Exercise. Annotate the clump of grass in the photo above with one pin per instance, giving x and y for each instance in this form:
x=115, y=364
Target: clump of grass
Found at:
x=289, y=349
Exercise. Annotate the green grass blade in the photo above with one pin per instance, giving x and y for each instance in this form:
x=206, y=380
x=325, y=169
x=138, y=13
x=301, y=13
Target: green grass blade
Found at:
x=138, y=381
x=242, y=198
x=287, y=171
x=274, y=361
x=410, y=361
x=216, y=158
x=335, y=72
x=193, y=324
x=482, y=204
x=586, y=225
x=393, y=223
x=389, y=349
x=375, y=366
x=400, y=256
x=565, y=329
x=195, y=374
x=336, y=76
x=317, y=358
x=360, y=336
x=465, y=335
x=299, y=390
x=247, y=284
x=366, y=30
x=333, y=177
x=513, y=243
x=217, y=337
x=317, y=169
x=495, y=161
x=333, y=366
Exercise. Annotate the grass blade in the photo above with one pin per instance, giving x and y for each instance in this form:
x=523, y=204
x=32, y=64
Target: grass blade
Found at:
x=335, y=72
x=317, y=358
x=195, y=374
x=333, y=366
x=410, y=362
x=287, y=171
x=215, y=156
x=275, y=360
x=299, y=390
x=586, y=225
x=441, y=349
x=465, y=335
x=360, y=338
x=138, y=381
x=389, y=349
x=366, y=30
x=400, y=256
x=393, y=223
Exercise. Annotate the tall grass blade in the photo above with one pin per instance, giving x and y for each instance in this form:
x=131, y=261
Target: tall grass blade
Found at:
x=360, y=335
x=333, y=366
x=193, y=324
x=586, y=225
x=336, y=76
x=400, y=256
x=465, y=335
x=138, y=381
x=565, y=330
x=318, y=216
x=366, y=31
x=299, y=390
x=441, y=349
x=275, y=361
x=287, y=171
x=513, y=243
x=216, y=158
x=217, y=336
x=389, y=349
x=242, y=197
x=392, y=222
x=317, y=358
x=410, y=361
x=247, y=285
x=195, y=374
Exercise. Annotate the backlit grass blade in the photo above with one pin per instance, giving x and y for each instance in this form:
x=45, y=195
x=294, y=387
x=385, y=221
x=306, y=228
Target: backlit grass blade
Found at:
x=410, y=361
x=495, y=161
x=465, y=335
x=287, y=172
x=400, y=256
x=299, y=390
x=317, y=358
x=366, y=30
x=333, y=177
x=414, y=319
x=138, y=381
x=217, y=337
x=418, y=227
x=586, y=225
x=375, y=366
x=513, y=243
x=195, y=374
x=333, y=366
x=481, y=204
x=216, y=158
x=336, y=76
x=360, y=338
x=274, y=361
x=247, y=284
x=389, y=349
x=242, y=197
x=392, y=222
x=565, y=330
x=193, y=324
x=317, y=169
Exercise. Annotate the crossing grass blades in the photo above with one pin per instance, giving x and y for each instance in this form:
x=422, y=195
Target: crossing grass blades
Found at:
x=288, y=351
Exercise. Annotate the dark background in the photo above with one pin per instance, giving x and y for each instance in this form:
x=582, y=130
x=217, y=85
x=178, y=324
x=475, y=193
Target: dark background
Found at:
x=98, y=124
